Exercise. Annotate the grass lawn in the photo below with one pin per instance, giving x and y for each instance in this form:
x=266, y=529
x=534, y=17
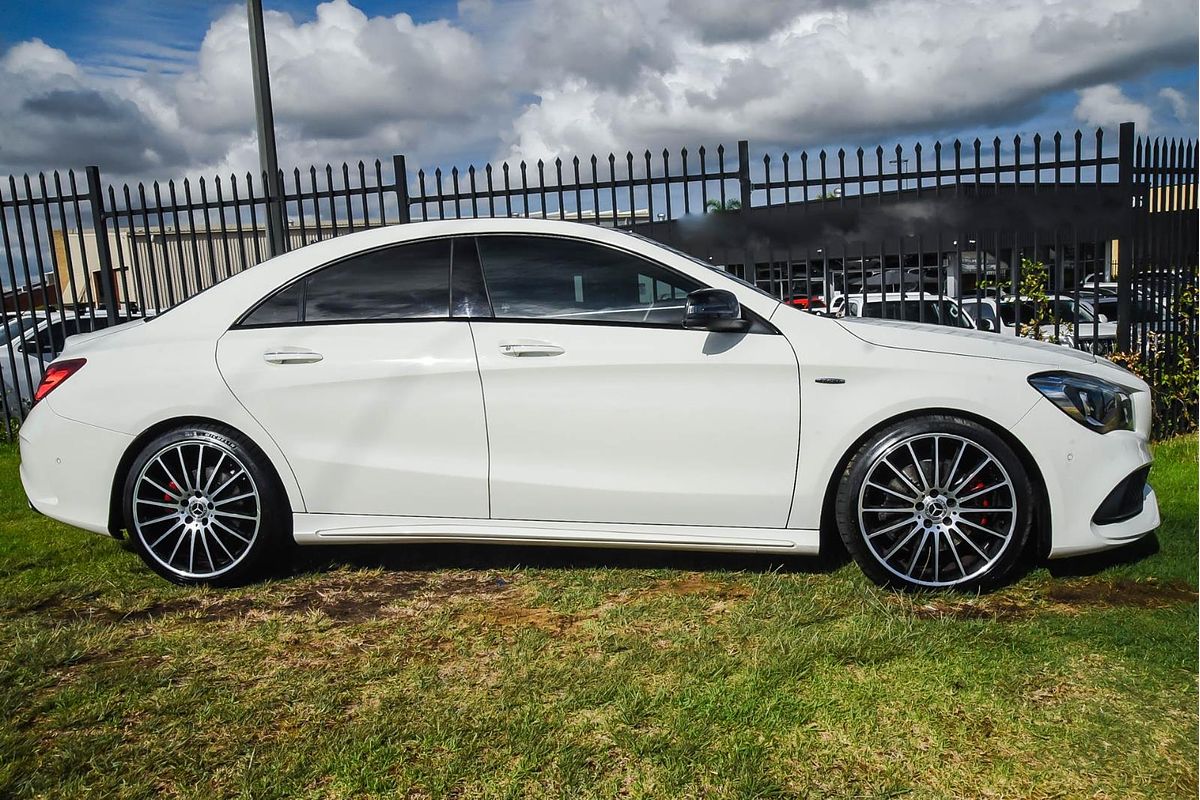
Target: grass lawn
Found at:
x=490, y=672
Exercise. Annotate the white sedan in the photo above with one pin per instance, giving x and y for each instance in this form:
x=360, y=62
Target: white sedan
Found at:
x=541, y=382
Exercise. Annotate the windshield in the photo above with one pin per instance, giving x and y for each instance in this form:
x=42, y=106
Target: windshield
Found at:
x=703, y=263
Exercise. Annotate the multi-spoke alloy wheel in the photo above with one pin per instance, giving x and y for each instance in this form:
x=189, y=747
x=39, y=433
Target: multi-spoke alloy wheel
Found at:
x=935, y=506
x=196, y=508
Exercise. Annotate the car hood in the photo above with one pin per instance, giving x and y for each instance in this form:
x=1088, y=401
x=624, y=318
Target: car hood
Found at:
x=960, y=341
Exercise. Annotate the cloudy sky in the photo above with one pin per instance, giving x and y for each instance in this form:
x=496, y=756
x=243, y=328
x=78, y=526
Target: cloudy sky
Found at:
x=161, y=88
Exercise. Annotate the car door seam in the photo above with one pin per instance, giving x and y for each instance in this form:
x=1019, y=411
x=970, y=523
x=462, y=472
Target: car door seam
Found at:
x=487, y=440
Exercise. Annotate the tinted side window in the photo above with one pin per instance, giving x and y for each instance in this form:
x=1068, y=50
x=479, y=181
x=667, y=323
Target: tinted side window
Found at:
x=280, y=308
x=410, y=281
x=405, y=282
x=532, y=277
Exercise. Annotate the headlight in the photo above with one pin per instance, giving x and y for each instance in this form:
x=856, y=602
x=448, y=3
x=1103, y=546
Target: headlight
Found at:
x=1096, y=404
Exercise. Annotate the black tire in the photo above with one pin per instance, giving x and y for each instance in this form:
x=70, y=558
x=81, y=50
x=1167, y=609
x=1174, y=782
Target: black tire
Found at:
x=203, y=505
x=942, y=527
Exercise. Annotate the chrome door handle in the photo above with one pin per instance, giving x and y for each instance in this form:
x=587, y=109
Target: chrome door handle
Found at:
x=292, y=357
x=527, y=349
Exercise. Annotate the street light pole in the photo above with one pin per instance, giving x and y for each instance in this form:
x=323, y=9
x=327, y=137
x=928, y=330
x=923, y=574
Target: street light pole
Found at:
x=267, y=157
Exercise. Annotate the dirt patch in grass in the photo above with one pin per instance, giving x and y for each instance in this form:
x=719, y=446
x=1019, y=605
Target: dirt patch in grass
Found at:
x=509, y=611
x=1064, y=597
x=341, y=596
x=698, y=585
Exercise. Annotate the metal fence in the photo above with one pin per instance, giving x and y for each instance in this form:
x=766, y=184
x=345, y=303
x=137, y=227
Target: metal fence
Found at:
x=1029, y=235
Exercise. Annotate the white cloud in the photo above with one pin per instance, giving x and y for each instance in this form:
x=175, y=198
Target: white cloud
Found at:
x=1106, y=105
x=1178, y=104
x=827, y=71
x=535, y=78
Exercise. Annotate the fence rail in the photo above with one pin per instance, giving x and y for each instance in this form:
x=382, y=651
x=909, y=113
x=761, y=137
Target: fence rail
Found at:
x=962, y=221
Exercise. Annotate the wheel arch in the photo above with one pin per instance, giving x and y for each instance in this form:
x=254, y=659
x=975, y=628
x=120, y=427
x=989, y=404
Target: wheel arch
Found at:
x=1042, y=513
x=116, y=516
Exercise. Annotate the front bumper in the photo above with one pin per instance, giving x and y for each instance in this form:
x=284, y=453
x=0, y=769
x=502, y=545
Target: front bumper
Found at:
x=67, y=467
x=1081, y=470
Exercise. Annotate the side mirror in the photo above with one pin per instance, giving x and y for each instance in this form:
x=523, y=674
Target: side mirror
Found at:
x=714, y=310
x=987, y=325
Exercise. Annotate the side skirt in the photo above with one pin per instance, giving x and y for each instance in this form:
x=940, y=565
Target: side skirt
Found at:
x=355, y=529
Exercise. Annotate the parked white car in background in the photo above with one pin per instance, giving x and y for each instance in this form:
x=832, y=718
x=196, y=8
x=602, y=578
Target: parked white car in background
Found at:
x=542, y=382
x=1067, y=323
x=43, y=335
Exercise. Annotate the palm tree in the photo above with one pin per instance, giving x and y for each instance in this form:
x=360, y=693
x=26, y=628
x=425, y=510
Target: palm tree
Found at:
x=720, y=207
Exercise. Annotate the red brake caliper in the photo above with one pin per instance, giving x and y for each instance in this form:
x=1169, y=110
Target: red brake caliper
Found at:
x=984, y=502
x=174, y=488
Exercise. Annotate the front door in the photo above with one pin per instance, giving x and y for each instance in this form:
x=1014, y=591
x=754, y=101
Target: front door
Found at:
x=601, y=407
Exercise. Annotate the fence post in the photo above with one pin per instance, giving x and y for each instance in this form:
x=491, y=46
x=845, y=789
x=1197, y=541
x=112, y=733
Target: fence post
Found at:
x=1126, y=243
x=744, y=173
x=108, y=284
x=750, y=270
x=400, y=171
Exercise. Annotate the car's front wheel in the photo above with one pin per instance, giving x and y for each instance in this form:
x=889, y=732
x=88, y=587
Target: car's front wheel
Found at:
x=202, y=505
x=935, y=502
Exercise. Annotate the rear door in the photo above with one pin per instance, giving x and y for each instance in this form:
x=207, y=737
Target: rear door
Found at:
x=601, y=407
x=369, y=385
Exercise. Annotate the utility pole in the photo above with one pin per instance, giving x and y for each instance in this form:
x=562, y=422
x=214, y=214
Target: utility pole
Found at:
x=267, y=157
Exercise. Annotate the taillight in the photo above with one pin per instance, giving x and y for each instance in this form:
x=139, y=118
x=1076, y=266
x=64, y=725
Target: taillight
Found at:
x=55, y=375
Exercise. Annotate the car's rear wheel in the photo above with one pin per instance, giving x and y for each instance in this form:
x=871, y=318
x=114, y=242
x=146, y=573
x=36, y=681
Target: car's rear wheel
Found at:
x=202, y=505
x=936, y=502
